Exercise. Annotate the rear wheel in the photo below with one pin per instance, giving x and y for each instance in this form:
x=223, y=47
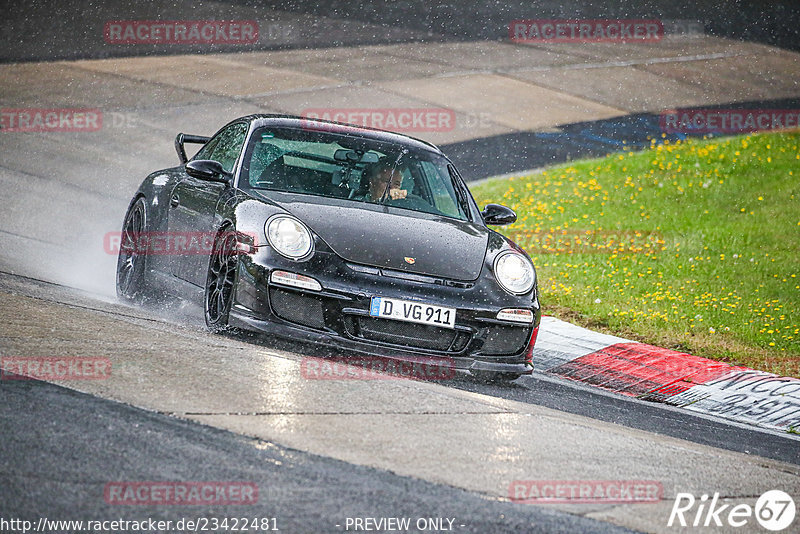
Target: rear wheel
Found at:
x=221, y=279
x=132, y=262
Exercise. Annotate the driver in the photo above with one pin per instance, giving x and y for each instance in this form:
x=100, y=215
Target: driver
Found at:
x=384, y=178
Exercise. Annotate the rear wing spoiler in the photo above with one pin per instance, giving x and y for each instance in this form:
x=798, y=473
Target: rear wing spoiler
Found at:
x=181, y=138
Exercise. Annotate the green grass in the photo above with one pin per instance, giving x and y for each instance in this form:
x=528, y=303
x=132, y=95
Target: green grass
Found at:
x=692, y=246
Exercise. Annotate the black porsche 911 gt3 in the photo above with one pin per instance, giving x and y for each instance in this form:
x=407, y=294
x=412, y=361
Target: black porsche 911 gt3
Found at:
x=354, y=237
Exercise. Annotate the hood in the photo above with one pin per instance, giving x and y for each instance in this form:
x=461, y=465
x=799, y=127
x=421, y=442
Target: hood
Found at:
x=385, y=236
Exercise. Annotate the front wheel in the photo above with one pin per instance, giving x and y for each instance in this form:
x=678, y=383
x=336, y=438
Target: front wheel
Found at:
x=131, y=261
x=220, y=282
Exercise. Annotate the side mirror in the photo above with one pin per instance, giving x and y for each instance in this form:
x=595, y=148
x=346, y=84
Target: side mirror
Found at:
x=498, y=215
x=208, y=170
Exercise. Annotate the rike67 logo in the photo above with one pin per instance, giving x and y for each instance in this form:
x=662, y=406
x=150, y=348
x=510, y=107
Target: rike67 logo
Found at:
x=774, y=510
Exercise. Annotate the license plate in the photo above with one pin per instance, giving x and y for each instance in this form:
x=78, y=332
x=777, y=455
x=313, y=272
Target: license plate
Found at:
x=413, y=312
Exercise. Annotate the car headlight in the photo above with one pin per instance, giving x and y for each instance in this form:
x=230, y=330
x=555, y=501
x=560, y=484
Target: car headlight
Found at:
x=514, y=273
x=289, y=236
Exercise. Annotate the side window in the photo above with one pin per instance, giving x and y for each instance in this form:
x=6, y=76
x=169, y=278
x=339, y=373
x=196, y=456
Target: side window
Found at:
x=225, y=146
x=206, y=149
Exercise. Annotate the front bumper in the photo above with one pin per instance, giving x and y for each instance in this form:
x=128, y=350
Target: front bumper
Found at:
x=338, y=316
x=462, y=363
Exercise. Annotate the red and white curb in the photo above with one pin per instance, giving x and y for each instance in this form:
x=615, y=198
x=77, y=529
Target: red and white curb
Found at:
x=652, y=373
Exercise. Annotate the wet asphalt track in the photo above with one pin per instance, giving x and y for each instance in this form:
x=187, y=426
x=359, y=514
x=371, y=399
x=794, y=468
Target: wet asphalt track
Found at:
x=59, y=448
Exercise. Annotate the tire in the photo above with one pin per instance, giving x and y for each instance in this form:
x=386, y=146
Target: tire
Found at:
x=223, y=267
x=132, y=263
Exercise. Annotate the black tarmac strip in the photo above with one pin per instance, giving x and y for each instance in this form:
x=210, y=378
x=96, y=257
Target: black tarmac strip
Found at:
x=59, y=448
x=521, y=151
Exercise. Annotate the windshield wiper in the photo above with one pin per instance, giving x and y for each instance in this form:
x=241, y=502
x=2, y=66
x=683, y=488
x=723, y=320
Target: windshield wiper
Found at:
x=457, y=187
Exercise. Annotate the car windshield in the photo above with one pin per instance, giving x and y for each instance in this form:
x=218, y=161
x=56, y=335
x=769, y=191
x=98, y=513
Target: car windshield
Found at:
x=337, y=165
